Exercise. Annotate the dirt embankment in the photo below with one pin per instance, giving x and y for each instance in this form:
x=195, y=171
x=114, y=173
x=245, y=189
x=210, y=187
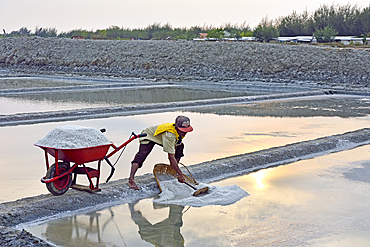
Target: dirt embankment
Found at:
x=184, y=60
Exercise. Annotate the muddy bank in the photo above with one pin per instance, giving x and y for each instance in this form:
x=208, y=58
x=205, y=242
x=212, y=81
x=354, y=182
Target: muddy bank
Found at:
x=187, y=60
x=117, y=192
x=11, y=237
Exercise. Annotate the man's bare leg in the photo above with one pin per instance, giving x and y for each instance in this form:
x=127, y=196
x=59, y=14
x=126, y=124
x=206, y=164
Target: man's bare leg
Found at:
x=131, y=182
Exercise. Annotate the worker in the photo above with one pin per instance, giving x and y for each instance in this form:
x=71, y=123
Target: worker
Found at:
x=167, y=135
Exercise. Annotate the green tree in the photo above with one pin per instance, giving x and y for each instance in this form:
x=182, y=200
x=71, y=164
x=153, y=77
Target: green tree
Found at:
x=247, y=33
x=325, y=35
x=100, y=34
x=113, y=32
x=217, y=33
x=46, y=32
x=21, y=32
x=294, y=24
x=364, y=20
x=341, y=18
x=265, y=31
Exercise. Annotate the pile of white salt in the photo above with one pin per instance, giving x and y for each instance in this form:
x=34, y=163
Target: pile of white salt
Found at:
x=73, y=137
x=174, y=192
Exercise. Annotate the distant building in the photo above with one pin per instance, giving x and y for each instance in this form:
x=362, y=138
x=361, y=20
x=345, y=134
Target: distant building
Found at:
x=240, y=39
x=346, y=40
x=227, y=34
x=297, y=39
x=77, y=37
x=203, y=35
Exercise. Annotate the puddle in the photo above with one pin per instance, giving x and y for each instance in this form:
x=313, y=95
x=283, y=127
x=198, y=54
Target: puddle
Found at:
x=309, y=202
x=67, y=100
x=30, y=82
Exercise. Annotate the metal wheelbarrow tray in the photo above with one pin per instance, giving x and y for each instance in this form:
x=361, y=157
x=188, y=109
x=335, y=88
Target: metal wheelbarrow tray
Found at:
x=59, y=177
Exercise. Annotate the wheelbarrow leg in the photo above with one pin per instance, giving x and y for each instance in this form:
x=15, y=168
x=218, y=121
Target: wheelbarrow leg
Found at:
x=46, y=159
x=90, y=173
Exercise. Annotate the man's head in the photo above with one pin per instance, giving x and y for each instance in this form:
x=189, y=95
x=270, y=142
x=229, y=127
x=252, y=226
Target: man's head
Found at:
x=183, y=124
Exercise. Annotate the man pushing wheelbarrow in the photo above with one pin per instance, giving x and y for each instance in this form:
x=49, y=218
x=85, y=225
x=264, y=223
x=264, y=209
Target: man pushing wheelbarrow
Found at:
x=167, y=135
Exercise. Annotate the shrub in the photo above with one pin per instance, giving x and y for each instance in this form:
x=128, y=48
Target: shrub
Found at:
x=325, y=35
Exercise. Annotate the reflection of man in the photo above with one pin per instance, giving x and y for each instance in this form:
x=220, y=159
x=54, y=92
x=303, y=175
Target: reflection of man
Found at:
x=164, y=233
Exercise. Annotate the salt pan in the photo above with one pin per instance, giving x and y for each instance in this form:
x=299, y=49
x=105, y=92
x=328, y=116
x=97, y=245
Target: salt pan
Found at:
x=174, y=192
x=73, y=137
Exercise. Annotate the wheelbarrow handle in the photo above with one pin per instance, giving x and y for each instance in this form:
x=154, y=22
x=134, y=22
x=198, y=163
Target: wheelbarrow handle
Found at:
x=139, y=135
x=134, y=136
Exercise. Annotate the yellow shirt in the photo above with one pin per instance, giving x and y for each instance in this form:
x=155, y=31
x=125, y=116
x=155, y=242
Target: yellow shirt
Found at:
x=164, y=135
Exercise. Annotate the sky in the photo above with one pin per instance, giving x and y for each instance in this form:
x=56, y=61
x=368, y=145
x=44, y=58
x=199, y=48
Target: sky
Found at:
x=67, y=15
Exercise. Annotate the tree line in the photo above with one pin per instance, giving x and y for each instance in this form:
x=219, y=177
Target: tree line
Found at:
x=326, y=21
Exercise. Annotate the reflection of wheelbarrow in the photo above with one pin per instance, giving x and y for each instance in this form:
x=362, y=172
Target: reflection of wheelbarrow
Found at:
x=58, y=178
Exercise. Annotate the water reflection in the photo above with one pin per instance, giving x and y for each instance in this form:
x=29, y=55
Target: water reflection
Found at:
x=335, y=105
x=73, y=231
x=105, y=98
x=106, y=228
x=28, y=82
x=164, y=233
x=260, y=179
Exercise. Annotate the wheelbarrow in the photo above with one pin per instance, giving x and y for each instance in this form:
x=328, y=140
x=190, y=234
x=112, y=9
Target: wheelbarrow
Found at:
x=68, y=162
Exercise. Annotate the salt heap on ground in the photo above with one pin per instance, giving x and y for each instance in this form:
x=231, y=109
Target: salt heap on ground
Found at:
x=73, y=137
x=174, y=192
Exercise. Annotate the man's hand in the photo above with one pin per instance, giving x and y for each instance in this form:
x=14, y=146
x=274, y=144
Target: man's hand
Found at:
x=175, y=166
x=181, y=178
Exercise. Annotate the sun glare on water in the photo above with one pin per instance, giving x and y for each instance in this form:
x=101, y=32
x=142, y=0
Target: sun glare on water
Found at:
x=260, y=179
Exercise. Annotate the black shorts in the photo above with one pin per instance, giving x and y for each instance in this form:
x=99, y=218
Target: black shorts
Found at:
x=145, y=149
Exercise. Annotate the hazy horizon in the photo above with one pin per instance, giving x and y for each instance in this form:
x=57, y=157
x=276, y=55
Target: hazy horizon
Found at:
x=91, y=15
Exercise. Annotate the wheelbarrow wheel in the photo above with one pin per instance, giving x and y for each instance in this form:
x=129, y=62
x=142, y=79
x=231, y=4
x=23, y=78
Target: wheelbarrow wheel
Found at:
x=62, y=185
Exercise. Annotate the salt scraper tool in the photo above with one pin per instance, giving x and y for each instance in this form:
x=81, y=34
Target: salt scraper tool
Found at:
x=197, y=192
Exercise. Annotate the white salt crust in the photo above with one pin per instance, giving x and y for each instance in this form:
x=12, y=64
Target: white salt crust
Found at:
x=174, y=192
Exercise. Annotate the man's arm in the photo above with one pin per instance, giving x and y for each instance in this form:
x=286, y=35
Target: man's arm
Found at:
x=175, y=166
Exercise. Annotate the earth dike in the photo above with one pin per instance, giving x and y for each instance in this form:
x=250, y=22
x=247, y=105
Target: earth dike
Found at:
x=187, y=60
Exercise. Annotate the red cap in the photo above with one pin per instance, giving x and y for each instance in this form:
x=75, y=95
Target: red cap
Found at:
x=183, y=124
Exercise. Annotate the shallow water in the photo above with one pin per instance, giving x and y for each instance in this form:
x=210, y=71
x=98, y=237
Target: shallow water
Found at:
x=215, y=136
x=31, y=82
x=317, y=202
x=77, y=99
